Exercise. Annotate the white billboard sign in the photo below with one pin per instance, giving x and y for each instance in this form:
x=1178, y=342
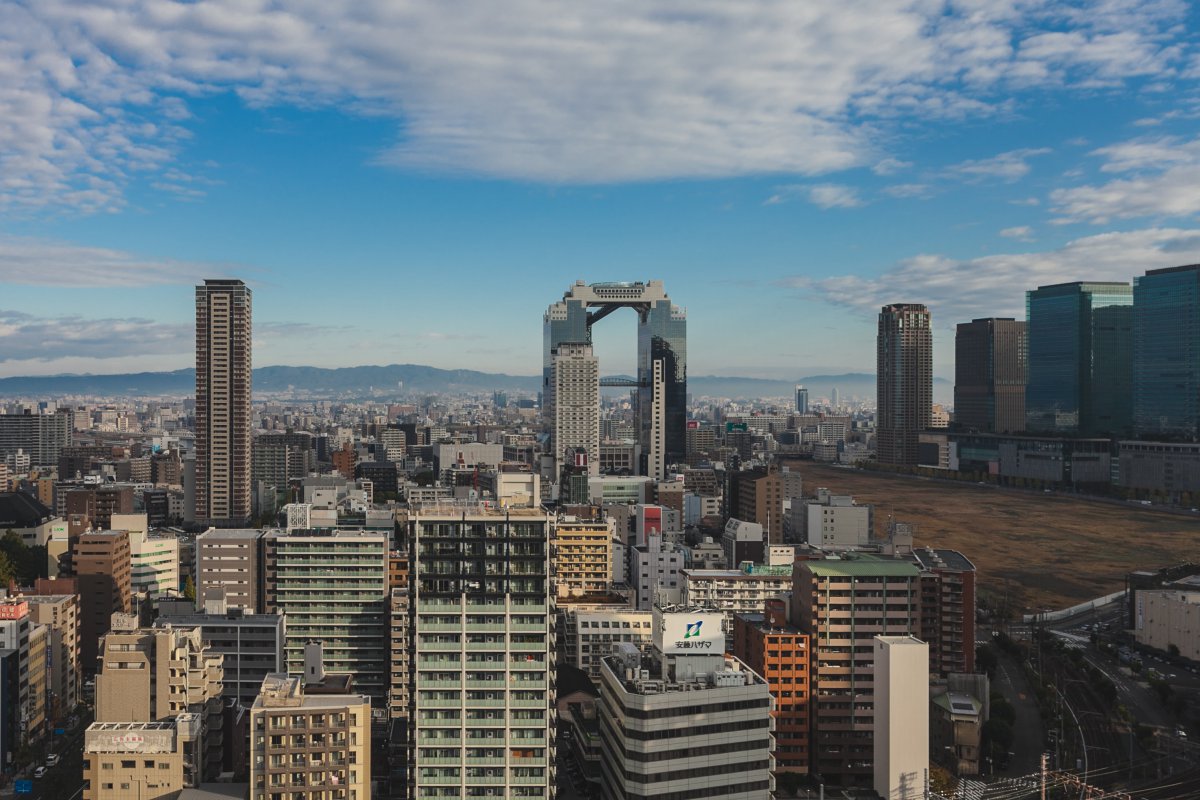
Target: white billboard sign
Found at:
x=689, y=632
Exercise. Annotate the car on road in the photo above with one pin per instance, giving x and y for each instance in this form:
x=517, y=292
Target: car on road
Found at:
x=40, y=772
x=51, y=759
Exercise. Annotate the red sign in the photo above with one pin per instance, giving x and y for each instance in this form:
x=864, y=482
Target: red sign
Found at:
x=14, y=610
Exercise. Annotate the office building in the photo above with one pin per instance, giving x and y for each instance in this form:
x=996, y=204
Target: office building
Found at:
x=154, y=675
x=901, y=752
x=39, y=437
x=761, y=495
x=1166, y=353
x=843, y=603
x=59, y=613
x=833, y=522
x=101, y=561
x=333, y=587
x=990, y=365
x=249, y=645
x=483, y=687
x=747, y=590
x=582, y=551
x=743, y=541
x=769, y=646
x=592, y=632
x=154, y=563
x=903, y=382
x=223, y=421
x=29, y=518
x=141, y=760
x=801, y=399
x=662, y=358
x=1080, y=358
x=229, y=563
x=1168, y=617
x=685, y=722
x=657, y=568
x=309, y=746
x=573, y=408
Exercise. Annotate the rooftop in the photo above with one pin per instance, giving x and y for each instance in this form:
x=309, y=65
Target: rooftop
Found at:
x=861, y=565
x=19, y=510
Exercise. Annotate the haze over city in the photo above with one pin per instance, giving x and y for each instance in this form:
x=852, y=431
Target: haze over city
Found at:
x=416, y=183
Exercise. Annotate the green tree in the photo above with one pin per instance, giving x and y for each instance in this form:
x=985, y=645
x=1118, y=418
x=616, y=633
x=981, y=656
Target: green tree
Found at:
x=189, y=588
x=7, y=572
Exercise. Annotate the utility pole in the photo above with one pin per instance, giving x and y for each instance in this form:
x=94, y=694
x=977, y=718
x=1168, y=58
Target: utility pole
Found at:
x=1044, y=756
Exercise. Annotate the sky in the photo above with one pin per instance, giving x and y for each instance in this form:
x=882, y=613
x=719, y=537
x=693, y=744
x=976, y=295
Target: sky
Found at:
x=415, y=182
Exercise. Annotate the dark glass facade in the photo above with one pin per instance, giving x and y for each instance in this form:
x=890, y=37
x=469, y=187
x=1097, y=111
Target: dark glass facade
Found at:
x=1080, y=358
x=990, y=365
x=1166, y=353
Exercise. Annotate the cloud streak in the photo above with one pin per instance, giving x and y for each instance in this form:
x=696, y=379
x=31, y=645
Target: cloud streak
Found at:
x=961, y=289
x=94, y=94
x=38, y=262
x=25, y=337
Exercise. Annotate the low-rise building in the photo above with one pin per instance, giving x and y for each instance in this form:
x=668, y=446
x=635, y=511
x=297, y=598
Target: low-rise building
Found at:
x=141, y=760
x=1169, y=617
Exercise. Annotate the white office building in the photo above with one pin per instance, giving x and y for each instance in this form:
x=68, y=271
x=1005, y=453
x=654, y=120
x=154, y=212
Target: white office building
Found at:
x=574, y=407
x=901, y=717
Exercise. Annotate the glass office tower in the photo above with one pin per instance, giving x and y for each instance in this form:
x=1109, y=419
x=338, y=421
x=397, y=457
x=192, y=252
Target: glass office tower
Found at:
x=1166, y=353
x=1080, y=358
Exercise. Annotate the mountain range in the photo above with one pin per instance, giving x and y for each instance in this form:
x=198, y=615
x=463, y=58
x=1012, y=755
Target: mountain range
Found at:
x=414, y=378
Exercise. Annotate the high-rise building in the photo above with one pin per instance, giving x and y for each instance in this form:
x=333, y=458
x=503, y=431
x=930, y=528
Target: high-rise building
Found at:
x=483, y=637
x=333, y=587
x=59, y=613
x=685, y=722
x=103, y=574
x=1080, y=358
x=154, y=675
x=308, y=745
x=661, y=364
x=40, y=437
x=229, y=562
x=903, y=382
x=223, y=421
x=582, y=555
x=779, y=652
x=843, y=604
x=990, y=364
x=1166, y=353
x=573, y=406
x=901, y=753
x=801, y=399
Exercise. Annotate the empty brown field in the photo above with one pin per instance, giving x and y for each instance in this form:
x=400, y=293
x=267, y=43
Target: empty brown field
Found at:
x=1041, y=550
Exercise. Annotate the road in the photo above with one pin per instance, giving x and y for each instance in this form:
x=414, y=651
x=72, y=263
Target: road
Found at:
x=1028, y=734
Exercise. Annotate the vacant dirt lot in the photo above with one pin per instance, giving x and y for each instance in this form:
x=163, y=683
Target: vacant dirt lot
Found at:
x=1042, y=550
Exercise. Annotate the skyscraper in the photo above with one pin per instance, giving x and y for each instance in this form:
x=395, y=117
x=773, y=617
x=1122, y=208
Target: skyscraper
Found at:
x=1166, y=353
x=1080, y=358
x=573, y=404
x=661, y=363
x=903, y=381
x=801, y=399
x=223, y=403
x=482, y=635
x=990, y=363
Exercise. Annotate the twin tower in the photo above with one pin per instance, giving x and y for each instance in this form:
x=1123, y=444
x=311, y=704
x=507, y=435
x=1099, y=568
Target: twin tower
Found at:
x=571, y=379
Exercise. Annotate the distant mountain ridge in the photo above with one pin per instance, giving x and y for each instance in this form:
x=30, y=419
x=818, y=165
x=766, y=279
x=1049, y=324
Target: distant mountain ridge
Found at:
x=413, y=378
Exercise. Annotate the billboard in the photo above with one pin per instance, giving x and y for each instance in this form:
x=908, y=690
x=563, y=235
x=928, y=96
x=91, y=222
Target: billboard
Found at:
x=738, y=427
x=689, y=632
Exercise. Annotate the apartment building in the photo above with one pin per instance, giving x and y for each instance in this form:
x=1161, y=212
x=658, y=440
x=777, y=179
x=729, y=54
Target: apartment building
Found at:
x=736, y=591
x=230, y=560
x=103, y=574
x=582, y=555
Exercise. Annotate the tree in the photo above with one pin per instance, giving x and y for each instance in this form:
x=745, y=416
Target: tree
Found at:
x=7, y=573
x=189, y=588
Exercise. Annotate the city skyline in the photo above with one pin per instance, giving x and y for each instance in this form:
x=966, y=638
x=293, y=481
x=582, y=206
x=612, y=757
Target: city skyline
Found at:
x=814, y=166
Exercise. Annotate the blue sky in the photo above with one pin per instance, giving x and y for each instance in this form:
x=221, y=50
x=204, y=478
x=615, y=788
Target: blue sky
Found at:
x=416, y=182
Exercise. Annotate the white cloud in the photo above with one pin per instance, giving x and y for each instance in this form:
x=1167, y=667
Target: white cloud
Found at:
x=1161, y=179
x=94, y=93
x=38, y=262
x=1022, y=233
x=994, y=285
x=890, y=166
x=906, y=190
x=24, y=337
x=833, y=195
x=1010, y=166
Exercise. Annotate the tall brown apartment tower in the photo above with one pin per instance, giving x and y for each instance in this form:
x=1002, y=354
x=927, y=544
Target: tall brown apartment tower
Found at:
x=990, y=364
x=102, y=573
x=903, y=381
x=223, y=403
